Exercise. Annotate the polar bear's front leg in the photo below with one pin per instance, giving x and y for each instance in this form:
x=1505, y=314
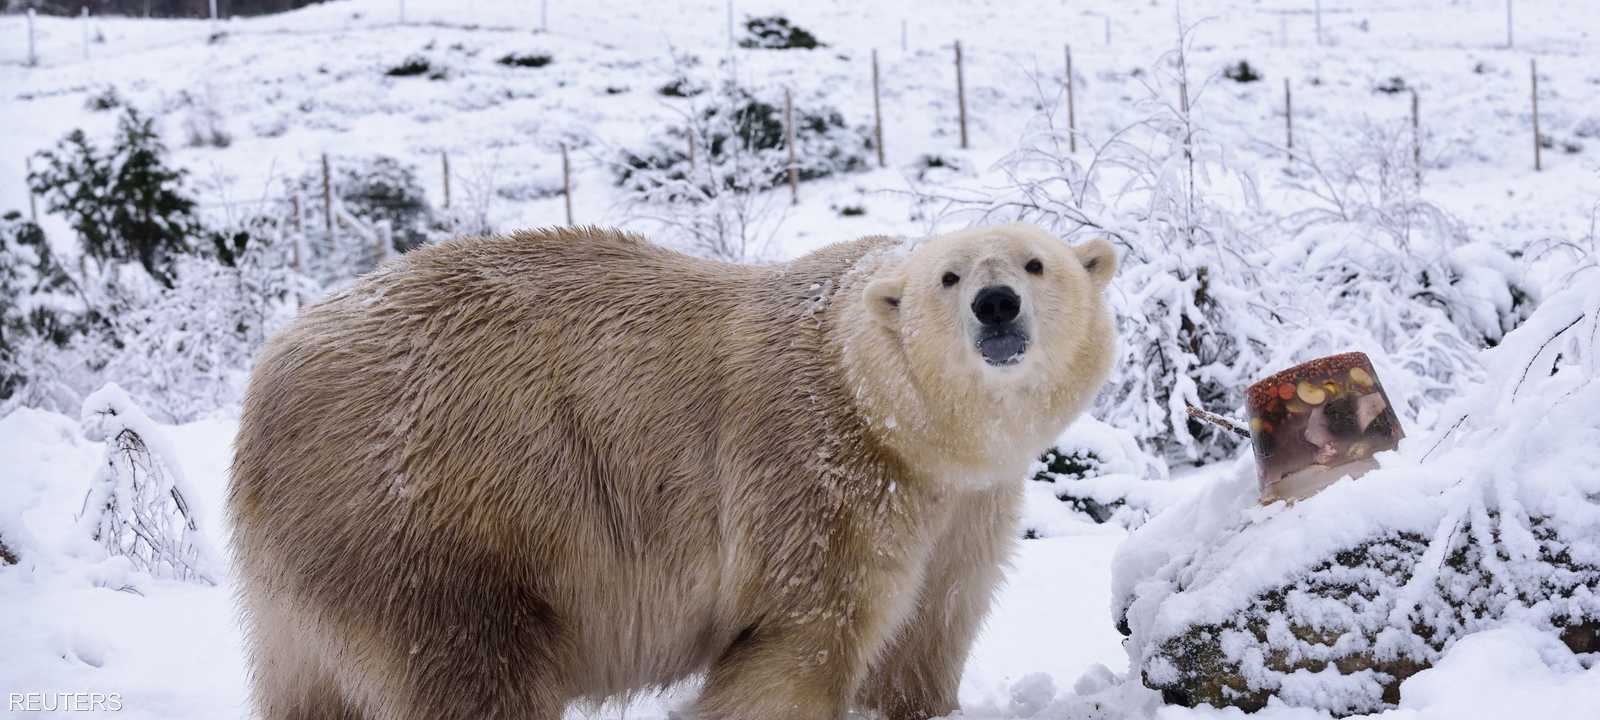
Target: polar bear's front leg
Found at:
x=810, y=651
x=782, y=674
x=918, y=674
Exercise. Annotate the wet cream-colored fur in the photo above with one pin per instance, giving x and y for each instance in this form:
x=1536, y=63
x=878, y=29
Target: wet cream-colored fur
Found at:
x=501, y=475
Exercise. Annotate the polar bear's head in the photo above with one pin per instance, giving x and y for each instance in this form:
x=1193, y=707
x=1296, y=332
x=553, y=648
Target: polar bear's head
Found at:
x=983, y=344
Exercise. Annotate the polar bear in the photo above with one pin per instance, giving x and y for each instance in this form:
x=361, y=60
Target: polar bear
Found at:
x=502, y=475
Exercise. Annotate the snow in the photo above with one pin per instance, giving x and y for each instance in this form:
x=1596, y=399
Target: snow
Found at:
x=1506, y=672
x=289, y=88
x=80, y=620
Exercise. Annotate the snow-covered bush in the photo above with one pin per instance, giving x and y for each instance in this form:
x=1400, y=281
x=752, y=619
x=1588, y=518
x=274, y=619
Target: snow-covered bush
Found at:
x=203, y=122
x=138, y=505
x=102, y=99
x=415, y=65
x=1391, y=270
x=1241, y=72
x=721, y=202
x=33, y=286
x=1206, y=305
x=1333, y=601
x=187, y=350
x=1101, y=473
x=369, y=195
x=775, y=32
x=183, y=349
x=1366, y=188
x=124, y=203
x=525, y=60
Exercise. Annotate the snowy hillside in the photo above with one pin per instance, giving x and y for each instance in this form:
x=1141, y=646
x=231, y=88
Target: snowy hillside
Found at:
x=318, y=142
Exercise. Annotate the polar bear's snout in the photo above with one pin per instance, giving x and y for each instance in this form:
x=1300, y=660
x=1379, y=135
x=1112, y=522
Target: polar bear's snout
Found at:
x=1001, y=337
x=996, y=305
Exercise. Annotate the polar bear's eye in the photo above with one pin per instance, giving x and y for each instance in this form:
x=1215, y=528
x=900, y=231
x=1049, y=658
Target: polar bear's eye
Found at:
x=950, y=279
x=1034, y=267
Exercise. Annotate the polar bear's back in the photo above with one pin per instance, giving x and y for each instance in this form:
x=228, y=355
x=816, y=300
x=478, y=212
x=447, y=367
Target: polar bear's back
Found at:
x=477, y=414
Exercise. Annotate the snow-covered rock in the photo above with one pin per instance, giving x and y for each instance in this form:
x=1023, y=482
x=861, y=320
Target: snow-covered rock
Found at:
x=1333, y=602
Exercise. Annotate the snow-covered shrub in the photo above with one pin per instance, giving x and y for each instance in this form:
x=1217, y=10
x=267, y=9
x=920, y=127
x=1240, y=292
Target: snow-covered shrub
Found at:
x=1100, y=472
x=479, y=187
x=32, y=286
x=203, y=122
x=411, y=66
x=138, y=505
x=742, y=123
x=775, y=32
x=125, y=203
x=720, y=203
x=1205, y=305
x=1391, y=269
x=681, y=87
x=1333, y=601
x=102, y=99
x=1393, y=85
x=1241, y=72
x=525, y=60
x=369, y=193
x=186, y=350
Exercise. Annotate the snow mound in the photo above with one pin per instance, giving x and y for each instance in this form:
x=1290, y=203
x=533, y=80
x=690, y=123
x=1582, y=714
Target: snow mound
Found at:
x=1332, y=602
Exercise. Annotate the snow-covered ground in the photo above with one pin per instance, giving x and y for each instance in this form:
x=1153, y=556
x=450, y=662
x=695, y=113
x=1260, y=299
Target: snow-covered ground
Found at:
x=293, y=87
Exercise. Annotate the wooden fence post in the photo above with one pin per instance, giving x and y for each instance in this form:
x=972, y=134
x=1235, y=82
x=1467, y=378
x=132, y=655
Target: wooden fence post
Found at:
x=294, y=209
x=788, y=129
x=444, y=162
x=1533, y=72
x=33, y=204
x=84, y=14
x=1416, y=136
x=1288, y=118
x=33, y=56
x=566, y=182
x=690, y=134
x=1509, y=39
x=877, y=111
x=1318, y=11
x=1108, y=30
x=327, y=196
x=1072, y=115
x=961, y=96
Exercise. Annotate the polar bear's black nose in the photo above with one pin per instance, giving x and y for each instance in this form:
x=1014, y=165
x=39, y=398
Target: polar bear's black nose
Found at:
x=996, y=305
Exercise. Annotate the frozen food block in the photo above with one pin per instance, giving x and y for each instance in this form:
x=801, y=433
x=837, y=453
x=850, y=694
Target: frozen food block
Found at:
x=1318, y=422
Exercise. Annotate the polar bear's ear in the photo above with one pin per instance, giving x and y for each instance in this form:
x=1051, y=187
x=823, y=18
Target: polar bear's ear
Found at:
x=1099, y=259
x=883, y=299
